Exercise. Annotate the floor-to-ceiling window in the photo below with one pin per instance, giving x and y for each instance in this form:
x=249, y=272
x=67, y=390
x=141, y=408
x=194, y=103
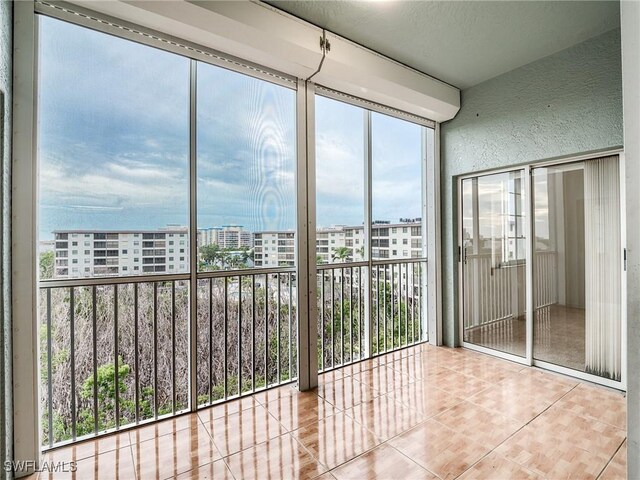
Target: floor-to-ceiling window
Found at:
x=169, y=204
x=370, y=238
x=246, y=209
x=113, y=158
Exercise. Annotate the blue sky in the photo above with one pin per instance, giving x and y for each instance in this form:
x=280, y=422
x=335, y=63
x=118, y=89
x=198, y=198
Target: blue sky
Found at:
x=113, y=144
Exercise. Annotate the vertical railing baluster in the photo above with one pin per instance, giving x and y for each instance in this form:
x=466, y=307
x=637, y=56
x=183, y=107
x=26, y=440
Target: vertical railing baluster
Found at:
x=290, y=330
x=50, y=371
x=116, y=351
x=333, y=316
x=342, y=315
x=253, y=333
x=322, y=321
x=376, y=284
x=136, y=356
x=210, y=303
x=239, y=335
x=72, y=335
x=393, y=308
x=406, y=304
x=400, y=305
x=94, y=321
x=351, y=314
x=360, y=312
x=279, y=331
x=173, y=347
x=413, y=302
x=266, y=330
x=384, y=305
x=225, y=333
x=155, y=349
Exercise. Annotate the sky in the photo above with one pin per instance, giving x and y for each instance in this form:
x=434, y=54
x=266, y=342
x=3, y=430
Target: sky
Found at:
x=113, y=144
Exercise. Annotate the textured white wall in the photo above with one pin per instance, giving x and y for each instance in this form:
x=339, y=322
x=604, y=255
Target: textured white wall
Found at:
x=6, y=435
x=566, y=103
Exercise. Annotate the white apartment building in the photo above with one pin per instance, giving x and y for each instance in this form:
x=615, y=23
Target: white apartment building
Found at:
x=95, y=253
x=227, y=236
x=401, y=240
x=274, y=249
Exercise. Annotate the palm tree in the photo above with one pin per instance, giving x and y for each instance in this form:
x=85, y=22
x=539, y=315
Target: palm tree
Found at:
x=341, y=254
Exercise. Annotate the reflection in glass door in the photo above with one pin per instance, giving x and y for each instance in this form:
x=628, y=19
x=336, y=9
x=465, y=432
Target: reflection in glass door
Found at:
x=494, y=262
x=577, y=266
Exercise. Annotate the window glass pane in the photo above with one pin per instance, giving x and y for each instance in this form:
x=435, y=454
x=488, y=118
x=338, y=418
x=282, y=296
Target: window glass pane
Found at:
x=113, y=150
x=339, y=181
x=246, y=171
x=396, y=185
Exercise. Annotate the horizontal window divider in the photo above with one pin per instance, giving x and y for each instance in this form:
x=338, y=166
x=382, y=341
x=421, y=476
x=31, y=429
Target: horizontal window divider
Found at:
x=146, y=36
x=87, y=282
x=395, y=261
x=242, y=272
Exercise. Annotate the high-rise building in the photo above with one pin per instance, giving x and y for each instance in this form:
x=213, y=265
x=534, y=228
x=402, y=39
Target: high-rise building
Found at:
x=93, y=253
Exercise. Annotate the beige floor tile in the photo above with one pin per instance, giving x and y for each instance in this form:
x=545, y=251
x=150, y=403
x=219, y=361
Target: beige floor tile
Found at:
x=173, y=454
x=346, y=393
x=485, y=427
x=88, y=448
x=385, y=417
x=211, y=471
x=496, y=467
x=617, y=467
x=336, y=439
x=596, y=403
x=457, y=384
x=298, y=410
x=243, y=429
x=114, y=464
x=509, y=400
x=275, y=394
x=280, y=457
x=439, y=449
x=383, y=379
x=331, y=376
x=383, y=463
x=425, y=398
x=558, y=444
x=164, y=427
x=229, y=408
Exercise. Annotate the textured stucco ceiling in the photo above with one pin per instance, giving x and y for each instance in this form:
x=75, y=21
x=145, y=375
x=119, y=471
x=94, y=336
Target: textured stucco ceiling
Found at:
x=461, y=42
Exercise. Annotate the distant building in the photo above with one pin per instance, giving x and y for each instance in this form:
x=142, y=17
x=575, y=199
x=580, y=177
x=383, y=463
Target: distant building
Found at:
x=388, y=241
x=231, y=237
x=95, y=253
x=274, y=249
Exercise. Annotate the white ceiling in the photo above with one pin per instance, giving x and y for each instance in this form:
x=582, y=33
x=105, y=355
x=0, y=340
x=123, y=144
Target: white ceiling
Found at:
x=461, y=42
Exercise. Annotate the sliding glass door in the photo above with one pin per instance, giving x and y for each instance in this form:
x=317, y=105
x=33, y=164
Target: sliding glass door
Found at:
x=578, y=266
x=494, y=261
x=572, y=280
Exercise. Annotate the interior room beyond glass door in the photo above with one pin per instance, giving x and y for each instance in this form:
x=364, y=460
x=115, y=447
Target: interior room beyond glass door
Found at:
x=493, y=262
x=577, y=266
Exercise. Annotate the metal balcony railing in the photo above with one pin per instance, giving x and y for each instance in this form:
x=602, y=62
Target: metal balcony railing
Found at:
x=116, y=352
x=113, y=352
x=397, y=304
x=340, y=314
x=247, y=332
x=396, y=309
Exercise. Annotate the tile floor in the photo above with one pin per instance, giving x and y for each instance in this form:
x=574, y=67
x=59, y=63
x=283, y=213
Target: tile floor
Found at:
x=420, y=413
